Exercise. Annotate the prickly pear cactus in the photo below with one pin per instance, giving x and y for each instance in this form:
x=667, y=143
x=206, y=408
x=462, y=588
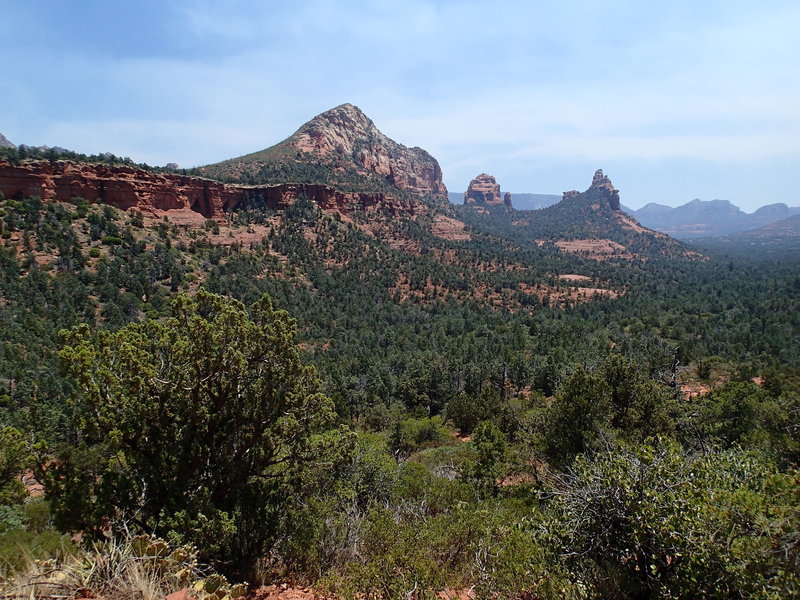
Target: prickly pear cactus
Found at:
x=179, y=564
x=216, y=587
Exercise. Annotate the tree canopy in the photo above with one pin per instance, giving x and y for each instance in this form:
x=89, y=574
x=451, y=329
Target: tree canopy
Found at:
x=198, y=422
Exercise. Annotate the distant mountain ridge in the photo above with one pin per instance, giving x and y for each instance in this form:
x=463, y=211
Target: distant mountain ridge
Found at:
x=5, y=143
x=534, y=201
x=778, y=238
x=708, y=218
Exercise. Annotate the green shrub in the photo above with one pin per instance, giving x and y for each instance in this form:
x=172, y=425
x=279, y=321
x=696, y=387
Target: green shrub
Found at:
x=217, y=397
x=19, y=548
x=409, y=435
x=11, y=517
x=652, y=521
x=13, y=460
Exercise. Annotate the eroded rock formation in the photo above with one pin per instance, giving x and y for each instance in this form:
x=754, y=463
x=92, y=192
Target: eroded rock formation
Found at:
x=601, y=189
x=5, y=143
x=606, y=189
x=484, y=190
x=348, y=132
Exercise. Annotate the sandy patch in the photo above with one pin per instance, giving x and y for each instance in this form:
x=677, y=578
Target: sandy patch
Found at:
x=449, y=228
x=573, y=277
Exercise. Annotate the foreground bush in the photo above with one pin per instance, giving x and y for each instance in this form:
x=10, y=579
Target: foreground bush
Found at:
x=651, y=521
x=200, y=427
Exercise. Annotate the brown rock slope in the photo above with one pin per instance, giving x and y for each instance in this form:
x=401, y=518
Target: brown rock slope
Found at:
x=344, y=147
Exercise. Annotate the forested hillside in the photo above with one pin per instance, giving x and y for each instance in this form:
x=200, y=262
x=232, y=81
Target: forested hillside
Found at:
x=344, y=382
x=477, y=396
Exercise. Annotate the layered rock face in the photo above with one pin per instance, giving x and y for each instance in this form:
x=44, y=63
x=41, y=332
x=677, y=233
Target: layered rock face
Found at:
x=127, y=187
x=347, y=132
x=485, y=190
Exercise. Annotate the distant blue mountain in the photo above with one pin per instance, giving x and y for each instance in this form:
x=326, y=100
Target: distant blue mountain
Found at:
x=780, y=238
x=533, y=201
x=708, y=218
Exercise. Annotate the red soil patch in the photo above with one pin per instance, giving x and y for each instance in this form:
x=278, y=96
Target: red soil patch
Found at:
x=595, y=249
x=587, y=293
x=449, y=228
x=285, y=592
x=176, y=216
x=572, y=277
x=693, y=389
x=456, y=595
x=564, y=296
x=516, y=479
x=251, y=234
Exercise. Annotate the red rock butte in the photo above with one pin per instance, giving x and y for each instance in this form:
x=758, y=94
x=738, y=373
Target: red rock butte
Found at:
x=484, y=190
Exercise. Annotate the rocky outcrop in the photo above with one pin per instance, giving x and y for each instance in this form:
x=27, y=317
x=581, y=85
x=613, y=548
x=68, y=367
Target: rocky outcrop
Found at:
x=507, y=199
x=483, y=190
x=4, y=143
x=603, y=186
x=128, y=187
x=346, y=132
x=344, y=139
x=601, y=189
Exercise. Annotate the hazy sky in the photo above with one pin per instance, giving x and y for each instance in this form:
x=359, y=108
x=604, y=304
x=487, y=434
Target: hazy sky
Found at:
x=674, y=100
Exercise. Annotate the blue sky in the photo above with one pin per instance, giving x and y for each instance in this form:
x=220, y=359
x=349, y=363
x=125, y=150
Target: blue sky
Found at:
x=674, y=100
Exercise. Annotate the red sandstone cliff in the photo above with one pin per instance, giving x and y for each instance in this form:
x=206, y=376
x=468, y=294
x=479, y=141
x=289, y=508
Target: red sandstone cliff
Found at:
x=127, y=187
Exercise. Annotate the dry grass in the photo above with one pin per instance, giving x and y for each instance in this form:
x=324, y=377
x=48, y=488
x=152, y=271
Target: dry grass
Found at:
x=137, y=568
